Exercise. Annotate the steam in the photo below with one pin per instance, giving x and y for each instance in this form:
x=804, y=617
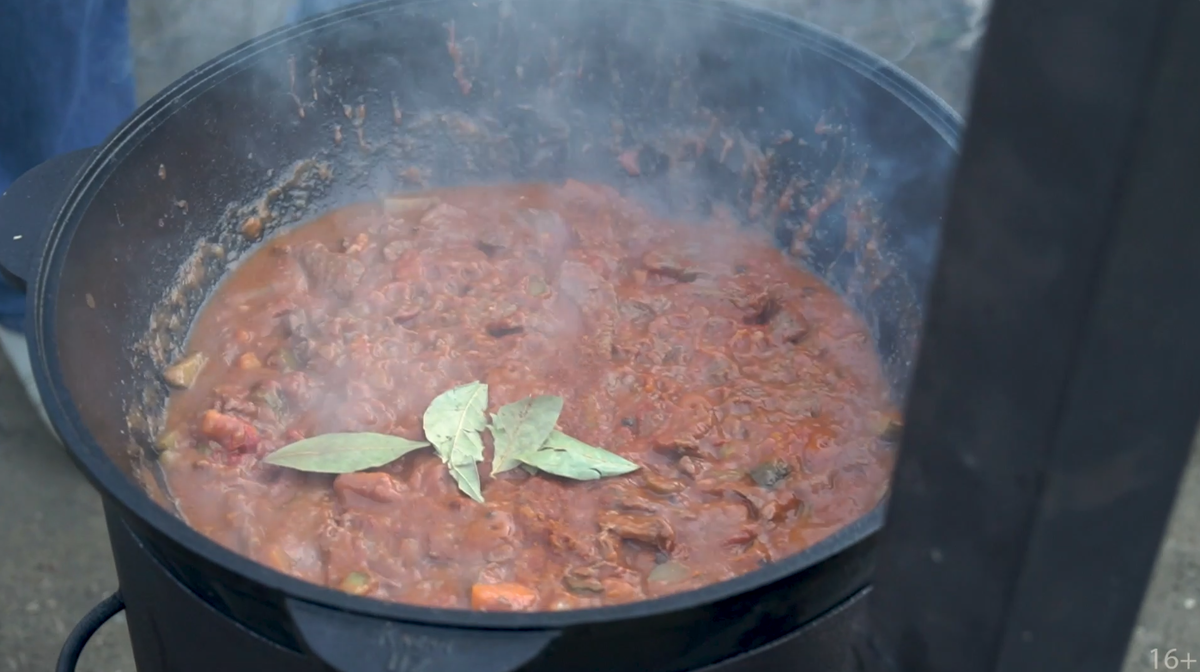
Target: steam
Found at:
x=171, y=37
x=409, y=136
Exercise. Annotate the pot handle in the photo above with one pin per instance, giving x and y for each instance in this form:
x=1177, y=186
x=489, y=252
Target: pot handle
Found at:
x=349, y=642
x=28, y=206
x=87, y=626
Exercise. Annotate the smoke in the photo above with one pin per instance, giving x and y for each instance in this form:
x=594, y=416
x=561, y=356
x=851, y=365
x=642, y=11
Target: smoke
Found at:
x=171, y=37
x=391, y=113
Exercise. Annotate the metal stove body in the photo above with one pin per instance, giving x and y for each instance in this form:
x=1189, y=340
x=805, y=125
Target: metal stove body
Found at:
x=175, y=630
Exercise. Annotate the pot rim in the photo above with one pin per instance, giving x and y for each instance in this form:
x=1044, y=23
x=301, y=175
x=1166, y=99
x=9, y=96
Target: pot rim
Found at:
x=116, y=486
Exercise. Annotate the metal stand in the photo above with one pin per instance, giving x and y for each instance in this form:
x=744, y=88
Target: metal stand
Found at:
x=1058, y=385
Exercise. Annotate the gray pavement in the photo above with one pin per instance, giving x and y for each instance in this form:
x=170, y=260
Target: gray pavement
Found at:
x=57, y=563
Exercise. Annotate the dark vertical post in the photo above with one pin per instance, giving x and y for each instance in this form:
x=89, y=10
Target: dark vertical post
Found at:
x=1058, y=386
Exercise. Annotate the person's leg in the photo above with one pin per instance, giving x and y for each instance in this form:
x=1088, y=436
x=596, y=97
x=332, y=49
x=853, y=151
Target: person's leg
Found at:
x=66, y=81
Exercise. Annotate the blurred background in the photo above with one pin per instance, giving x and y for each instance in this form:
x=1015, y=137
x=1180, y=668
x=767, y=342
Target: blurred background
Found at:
x=56, y=562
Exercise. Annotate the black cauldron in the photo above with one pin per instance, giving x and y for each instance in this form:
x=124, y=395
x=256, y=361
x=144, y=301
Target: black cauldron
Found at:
x=119, y=246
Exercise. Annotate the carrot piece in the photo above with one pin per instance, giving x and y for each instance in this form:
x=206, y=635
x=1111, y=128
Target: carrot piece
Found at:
x=502, y=597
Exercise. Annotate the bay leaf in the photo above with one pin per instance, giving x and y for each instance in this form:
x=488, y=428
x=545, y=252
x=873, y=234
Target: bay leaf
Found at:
x=522, y=425
x=454, y=420
x=453, y=423
x=566, y=456
x=343, y=453
x=467, y=478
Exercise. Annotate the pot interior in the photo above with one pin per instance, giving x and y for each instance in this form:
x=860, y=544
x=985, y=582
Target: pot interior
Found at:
x=731, y=108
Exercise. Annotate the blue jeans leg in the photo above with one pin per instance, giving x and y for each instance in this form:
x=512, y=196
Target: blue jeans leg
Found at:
x=66, y=81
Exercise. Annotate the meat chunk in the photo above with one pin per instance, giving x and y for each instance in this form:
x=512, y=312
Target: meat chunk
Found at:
x=669, y=265
x=651, y=530
x=620, y=591
x=361, y=415
x=374, y=486
x=230, y=433
x=395, y=249
x=636, y=313
x=616, y=583
x=231, y=400
x=597, y=301
x=443, y=214
x=789, y=328
x=691, y=420
x=661, y=484
x=553, y=530
x=753, y=501
x=782, y=506
x=759, y=308
x=298, y=388
x=328, y=271
x=635, y=503
x=770, y=473
x=583, y=580
x=357, y=244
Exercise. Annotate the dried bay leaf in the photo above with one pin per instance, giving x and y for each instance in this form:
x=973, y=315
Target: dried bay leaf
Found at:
x=454, y=420
x=522, y=425
x=343, y=453
x=453, y=424
x=467, y=478
x=566, y=456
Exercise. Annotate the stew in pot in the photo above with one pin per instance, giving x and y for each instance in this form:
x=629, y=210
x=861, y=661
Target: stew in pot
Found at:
x=702, y=406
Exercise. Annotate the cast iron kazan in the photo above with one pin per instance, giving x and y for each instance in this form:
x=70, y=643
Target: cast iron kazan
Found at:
x=729, y=106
